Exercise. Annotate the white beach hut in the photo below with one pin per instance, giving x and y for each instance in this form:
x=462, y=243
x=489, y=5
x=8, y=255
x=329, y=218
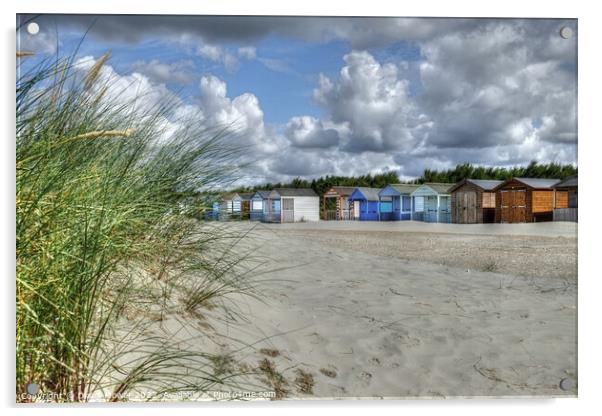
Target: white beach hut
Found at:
x=296, y=204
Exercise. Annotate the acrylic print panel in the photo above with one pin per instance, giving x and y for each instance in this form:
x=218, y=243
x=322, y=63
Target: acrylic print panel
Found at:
x=291, y=208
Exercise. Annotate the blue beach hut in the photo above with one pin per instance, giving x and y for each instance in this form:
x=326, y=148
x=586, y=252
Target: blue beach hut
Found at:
x=396, y=202
x=259, y=205
x=432, y=202
x=213, y=214
x=365, y=203
x=273, y=212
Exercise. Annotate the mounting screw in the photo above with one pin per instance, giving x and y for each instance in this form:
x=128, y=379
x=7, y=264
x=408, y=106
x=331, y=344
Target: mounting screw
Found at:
x=32, y=388
x=33, y=28
x=566, y=32
x=566, y=384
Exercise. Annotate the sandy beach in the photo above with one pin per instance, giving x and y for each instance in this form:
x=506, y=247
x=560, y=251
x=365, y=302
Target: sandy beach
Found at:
x=419, y=310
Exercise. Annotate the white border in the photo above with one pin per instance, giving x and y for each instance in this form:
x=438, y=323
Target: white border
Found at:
x=590, y=202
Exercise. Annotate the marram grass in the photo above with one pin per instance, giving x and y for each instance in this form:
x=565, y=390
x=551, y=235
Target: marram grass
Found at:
x=102, y=243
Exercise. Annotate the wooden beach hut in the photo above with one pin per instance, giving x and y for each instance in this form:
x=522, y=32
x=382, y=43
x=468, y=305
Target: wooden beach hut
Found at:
x=473, y=201
x=293, y=205
x=258, y=205
x=431, y=202
x=365, y=203
x=336, y=203
x=525, y=200
x=395, y=202
x=565, y=199
x=245, y=204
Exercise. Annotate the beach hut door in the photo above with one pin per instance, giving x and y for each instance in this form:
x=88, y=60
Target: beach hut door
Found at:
x=520, y=205
x=288, y=210
x=459, y=208
x=513, y=205
x=356, y=209
x=470, y=207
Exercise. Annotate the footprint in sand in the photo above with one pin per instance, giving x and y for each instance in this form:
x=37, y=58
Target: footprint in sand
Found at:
x=329, y=372
x=365, y=378
x=375, y=361
x=317, y=338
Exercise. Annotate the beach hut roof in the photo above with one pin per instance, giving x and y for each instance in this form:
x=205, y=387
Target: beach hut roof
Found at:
x=245, y=195
x=484, y=184
x=261, y=194
x=570, y=182
x=295, y=192
x=370, y=194
x=404, y=188
x=440, y=188
x=343, y=190
x=228, y=196
x=437, y=187
x=535, y=183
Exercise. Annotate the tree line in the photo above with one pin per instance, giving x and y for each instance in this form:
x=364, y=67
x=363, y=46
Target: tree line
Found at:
x=456, y=174
x=466, y=170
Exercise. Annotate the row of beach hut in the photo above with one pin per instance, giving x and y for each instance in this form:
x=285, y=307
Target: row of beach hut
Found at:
x=469, y=201
x=429, y=202
x=276, y=205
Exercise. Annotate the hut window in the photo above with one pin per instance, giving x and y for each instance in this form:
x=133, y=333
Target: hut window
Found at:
x=288, y=204
x=276, y=205
x=488, y=199
x=573, y=199
x=562, y=199
x=257, y=205
x=419, y=204
x=542, y=201
x=386, y=206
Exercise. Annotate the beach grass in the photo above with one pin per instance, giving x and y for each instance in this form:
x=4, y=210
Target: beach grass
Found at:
x=106, y=241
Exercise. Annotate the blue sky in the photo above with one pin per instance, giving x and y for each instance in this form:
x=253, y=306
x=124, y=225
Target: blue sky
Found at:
x=282, y=76
x=350, y=95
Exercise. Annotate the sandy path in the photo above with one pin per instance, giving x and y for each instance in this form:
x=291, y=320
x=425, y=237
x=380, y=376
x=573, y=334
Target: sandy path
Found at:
x=369, y=325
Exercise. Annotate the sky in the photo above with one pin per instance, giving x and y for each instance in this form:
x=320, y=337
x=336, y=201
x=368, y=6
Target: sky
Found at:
x=315, y=96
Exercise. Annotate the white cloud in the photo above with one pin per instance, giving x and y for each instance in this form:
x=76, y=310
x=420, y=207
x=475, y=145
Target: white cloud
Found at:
x=500, y=94
x=219, y=54
x=244, y=117
x=179, y=72
x=242, y=112
x=241, y=116
x=371, y=100
x=277, y=65
x=44, y=42
x=247, y=52
x=310, y=132
x=134, y=91
x=360, y=33
x=497, y=84
x=210, y=52
x=493, y=93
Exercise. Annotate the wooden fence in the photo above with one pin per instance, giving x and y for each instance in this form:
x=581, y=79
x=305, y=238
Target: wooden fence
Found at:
x=565, y=214
x=333, y=215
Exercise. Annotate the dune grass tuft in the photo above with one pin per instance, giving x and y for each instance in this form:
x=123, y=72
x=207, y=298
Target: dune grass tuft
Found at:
x=106, y=247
